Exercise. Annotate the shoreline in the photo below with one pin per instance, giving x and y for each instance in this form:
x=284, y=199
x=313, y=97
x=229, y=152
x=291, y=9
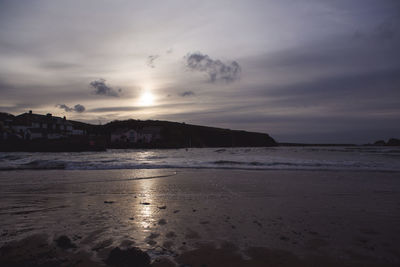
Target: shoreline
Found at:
x=277, y=158
x=334, y=217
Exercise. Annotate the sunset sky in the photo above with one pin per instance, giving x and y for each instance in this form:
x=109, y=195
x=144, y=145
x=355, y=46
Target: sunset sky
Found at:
x=302, y=71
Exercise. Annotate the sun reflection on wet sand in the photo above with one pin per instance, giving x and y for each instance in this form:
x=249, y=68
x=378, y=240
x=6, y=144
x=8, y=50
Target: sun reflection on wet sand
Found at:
x=145, y=207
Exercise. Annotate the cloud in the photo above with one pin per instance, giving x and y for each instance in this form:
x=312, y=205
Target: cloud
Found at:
x=116, y=109
x=187, y=93
x=58, y=65
x=102, y=89
x=137, y=108
x=215, y=69
x=77, y=108
x=151, y=60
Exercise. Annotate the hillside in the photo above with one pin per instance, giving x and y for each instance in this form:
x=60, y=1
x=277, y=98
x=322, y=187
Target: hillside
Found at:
x=174, y=134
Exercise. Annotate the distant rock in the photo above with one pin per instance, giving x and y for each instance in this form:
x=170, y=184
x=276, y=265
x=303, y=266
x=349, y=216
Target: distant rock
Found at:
x=393, y=142
x=390, y=142
x=380, y=143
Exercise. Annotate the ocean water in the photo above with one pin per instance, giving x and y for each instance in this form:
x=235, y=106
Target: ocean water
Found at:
x=261, y=158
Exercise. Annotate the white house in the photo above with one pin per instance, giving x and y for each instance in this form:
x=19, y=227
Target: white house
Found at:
x=145, y=135
x=125, y=136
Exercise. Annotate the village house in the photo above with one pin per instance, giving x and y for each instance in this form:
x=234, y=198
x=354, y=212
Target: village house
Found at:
x=5, y=123
x=31, y=126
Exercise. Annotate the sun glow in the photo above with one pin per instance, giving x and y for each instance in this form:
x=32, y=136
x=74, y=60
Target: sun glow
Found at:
x=146, y=99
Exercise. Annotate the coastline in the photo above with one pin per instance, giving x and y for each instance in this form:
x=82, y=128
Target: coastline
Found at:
x=239, y=216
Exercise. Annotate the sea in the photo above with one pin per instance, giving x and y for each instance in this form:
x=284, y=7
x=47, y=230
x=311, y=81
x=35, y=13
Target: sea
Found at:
x=351, y=158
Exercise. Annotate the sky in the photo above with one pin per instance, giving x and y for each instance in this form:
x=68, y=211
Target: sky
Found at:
x=310, y=71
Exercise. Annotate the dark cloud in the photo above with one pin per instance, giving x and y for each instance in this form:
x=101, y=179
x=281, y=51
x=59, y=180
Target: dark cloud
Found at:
x=215, y=69
x=151, y=60
x=102, y=89
x=77, y=108
x=187, y=93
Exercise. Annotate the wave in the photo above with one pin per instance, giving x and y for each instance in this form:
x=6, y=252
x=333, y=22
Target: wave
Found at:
x=276, y=163
x=44, y=164
x=229, y=162
x=224, y=158
x=10, y=157
x=223, y=162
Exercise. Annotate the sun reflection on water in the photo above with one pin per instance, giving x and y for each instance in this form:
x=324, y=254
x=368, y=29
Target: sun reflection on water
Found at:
x=147, y=157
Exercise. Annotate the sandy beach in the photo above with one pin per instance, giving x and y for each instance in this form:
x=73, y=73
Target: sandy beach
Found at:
x=199, y=217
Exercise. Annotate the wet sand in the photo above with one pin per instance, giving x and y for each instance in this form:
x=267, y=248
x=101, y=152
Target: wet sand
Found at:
x=199, y=218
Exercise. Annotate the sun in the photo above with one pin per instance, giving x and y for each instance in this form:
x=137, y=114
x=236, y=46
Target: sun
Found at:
x=146, y=99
